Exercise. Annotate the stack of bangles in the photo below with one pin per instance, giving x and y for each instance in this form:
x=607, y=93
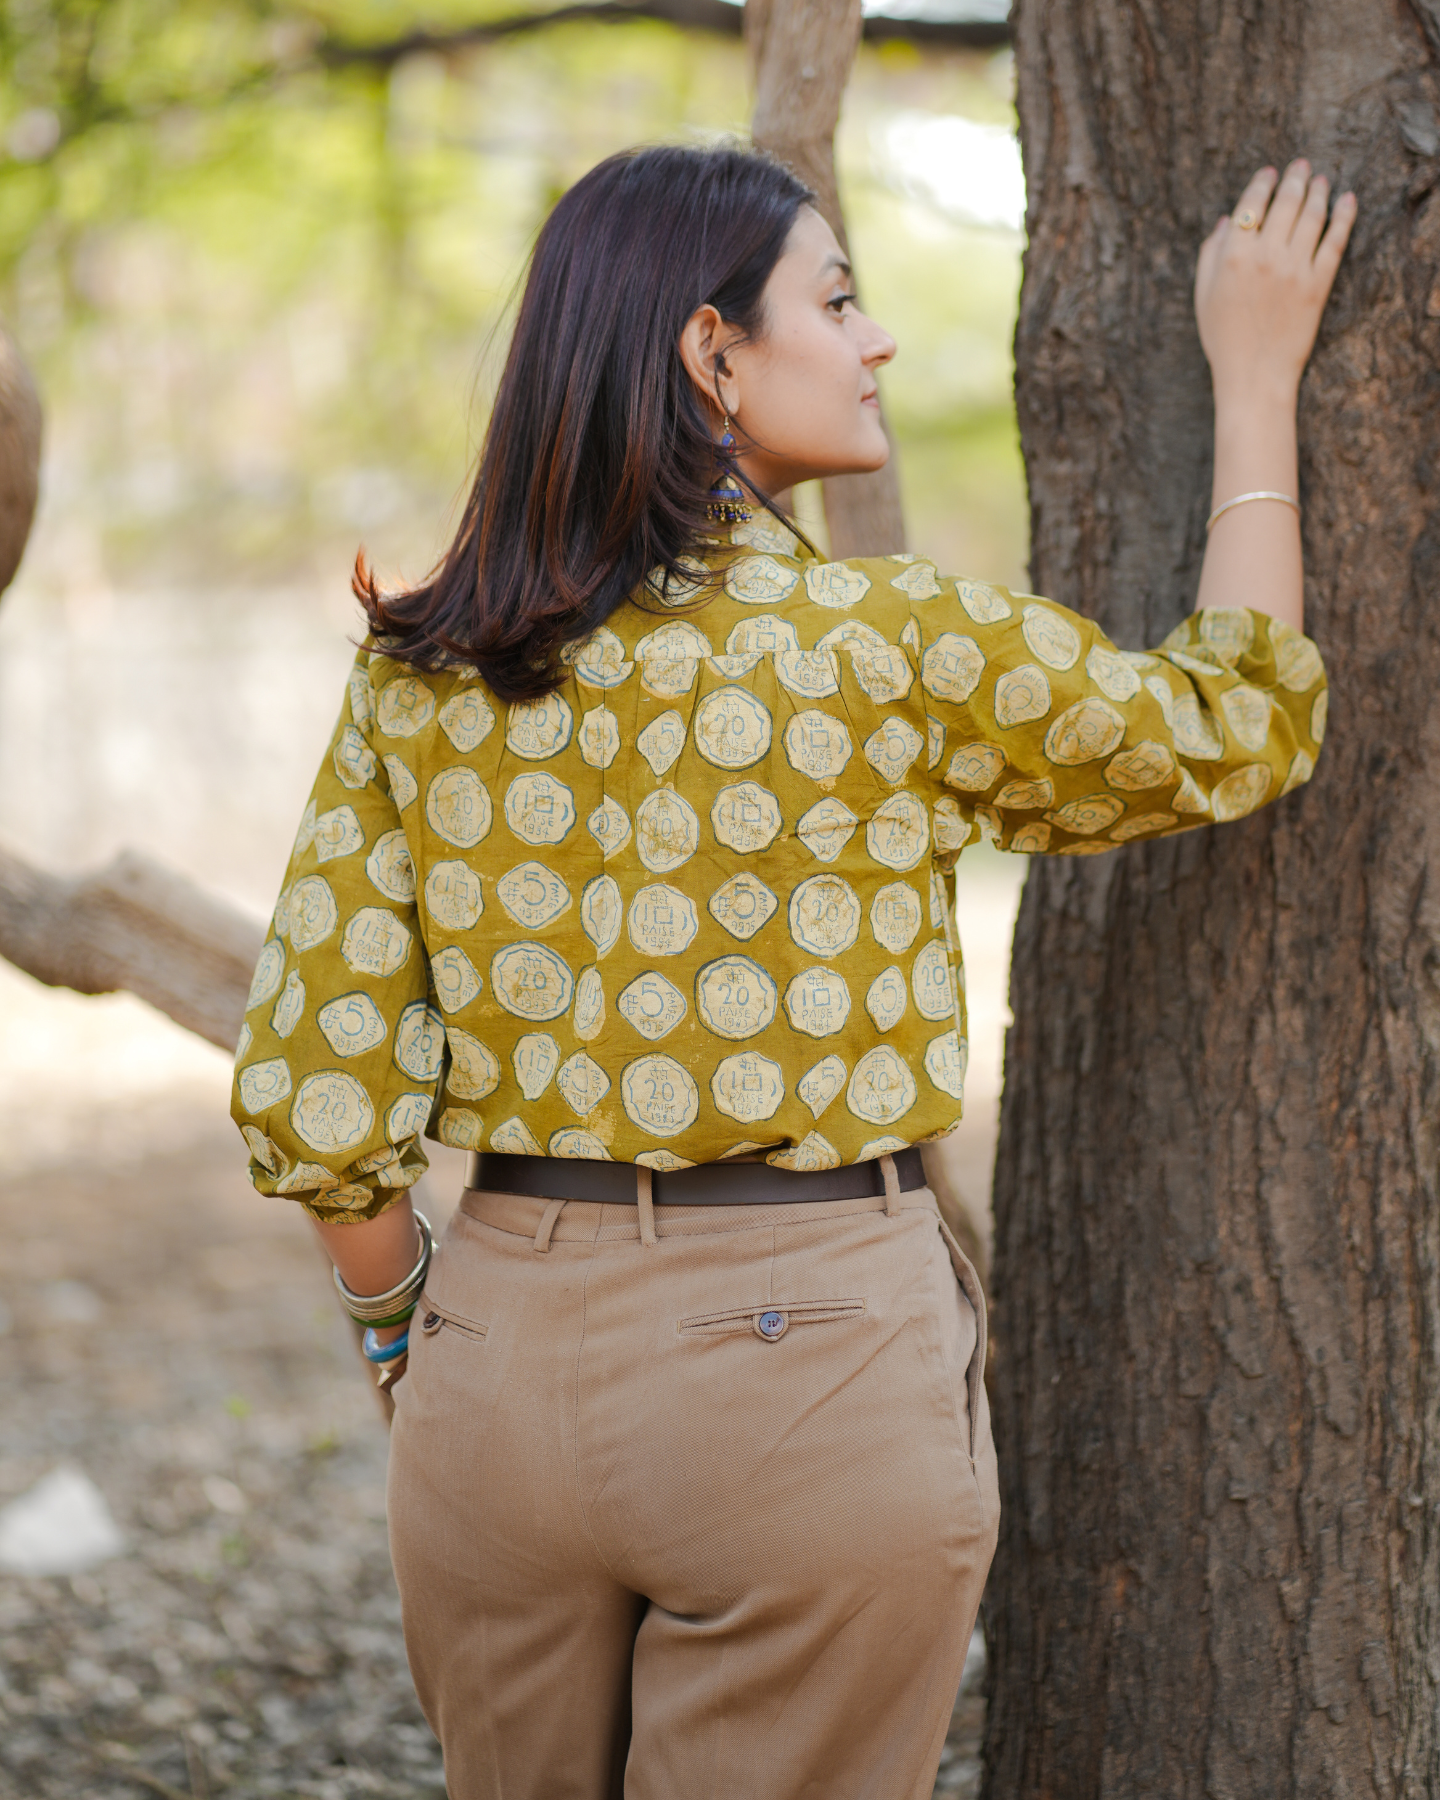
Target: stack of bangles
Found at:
x=394, y=1307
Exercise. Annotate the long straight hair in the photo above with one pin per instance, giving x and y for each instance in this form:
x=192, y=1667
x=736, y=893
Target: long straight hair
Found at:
x=600, y=456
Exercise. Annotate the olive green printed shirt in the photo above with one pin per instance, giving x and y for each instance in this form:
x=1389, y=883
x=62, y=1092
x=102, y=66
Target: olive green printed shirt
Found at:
x=695, y=902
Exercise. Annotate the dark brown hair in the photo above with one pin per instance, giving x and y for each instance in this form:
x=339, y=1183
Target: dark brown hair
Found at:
x=599, y=458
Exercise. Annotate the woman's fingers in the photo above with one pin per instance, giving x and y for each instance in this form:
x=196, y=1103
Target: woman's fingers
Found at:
x=1250, y=207
x=1288, y=200
x=1310, y=221
x=1337, y=236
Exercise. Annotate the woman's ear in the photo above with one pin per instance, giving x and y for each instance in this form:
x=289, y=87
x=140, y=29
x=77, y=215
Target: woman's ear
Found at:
x=702, y=351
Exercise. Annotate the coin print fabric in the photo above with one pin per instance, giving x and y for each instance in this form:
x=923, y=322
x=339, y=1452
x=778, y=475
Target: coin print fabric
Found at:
x=697, y=900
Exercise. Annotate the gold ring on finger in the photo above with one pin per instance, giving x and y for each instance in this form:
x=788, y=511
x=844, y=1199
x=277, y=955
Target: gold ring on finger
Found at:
x=1247, y=220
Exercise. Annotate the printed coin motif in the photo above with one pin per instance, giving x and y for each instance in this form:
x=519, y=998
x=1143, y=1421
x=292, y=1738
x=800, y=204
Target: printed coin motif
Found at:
x=453, y=897
x=1144, y=765
x=1247, y=713
x=403, y=786
x=934, y=741
x=886, y=1000
x=1297, y=662
x=817, y=745
x=653, y=1005
x=939, y=905
x=407, y=1117
x=1187, y=798
x=331, y=1111
x=362, y=696
x=1030, y=840
x=1110, y=672
x=663, y=1159
x=583, y=1084
x=952, y=832
x=533, y=895
x=812, y=674
x=290, y=1007
x=898, y=833
x=1201, y=664
x=375, y=942
x=263, y=1083
x=1241, y=792
x=265, y=1151
x=732, y=728
x=765, y=632
x=390, y=869
x=681, y=584
x=351, y=1024
x=1197, y=734
x=891, y=749
x=305, y=832
x=882, y=1089
x=811, y=1153
x=883, y=1146
x=748, y=1086
x=945, y=1060
x=1088, y=815
x=975, y=767
x=1084, y=732
x=609, y=826
x=1026, y=796
x=457, y=807
x=515, y=1138
x=467, y=719
x=404, y=706
x=817, y=1087
x=662, y=740
x=659, y=1095
x=836, y=584
x=930, y=980
x=667, y=831
x=531, y=981
x=818, y=1002
x=281, y=920
x=420, y=1041
x=824, y=915
x=539, y=728
x=1133, y=828
x=758, y=580
x=600, y=661
x=985, y=605
x=577, y=1145
x=600, y=913
x=918, y=581
x=883, y=670
x=910, y=637
x=589, y=1005
x=826, y=829
x=735, y=667
x=745, y=817
x=735, y=997
x=265, y=982
x=535, y=1059
x=1302, y=767
x=539, y=809
x=456, y=980
x=952, y=667
x=662, y=921
x=337, y=833
x=850, y=631
x=599, y=737
x=895, y=916
x=461, y=1129
x=669, y=676
x=1021, y=695
x=313, y=913
x=680, y=641
x=1227, y=630
x=742, y=905
x=1053, y=639
x=762, y=532
x=1161, y=693
x=354, y=759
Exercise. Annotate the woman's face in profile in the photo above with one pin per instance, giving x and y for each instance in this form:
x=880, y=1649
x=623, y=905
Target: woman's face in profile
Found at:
x=802, y=398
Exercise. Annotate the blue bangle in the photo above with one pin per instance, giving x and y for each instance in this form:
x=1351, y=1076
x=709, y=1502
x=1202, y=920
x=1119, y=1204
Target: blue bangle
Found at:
x=376, y=1352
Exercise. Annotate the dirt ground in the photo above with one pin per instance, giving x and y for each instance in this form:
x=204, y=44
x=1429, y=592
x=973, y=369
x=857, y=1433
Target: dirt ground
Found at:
x=175, y=1337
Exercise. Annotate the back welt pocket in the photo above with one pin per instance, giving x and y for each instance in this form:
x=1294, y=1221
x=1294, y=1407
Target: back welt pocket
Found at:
x=772, y=1320
x=433, y=1318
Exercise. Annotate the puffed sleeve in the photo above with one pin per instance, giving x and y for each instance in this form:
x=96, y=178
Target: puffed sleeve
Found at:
x=337, y=1065
x=1055, y=741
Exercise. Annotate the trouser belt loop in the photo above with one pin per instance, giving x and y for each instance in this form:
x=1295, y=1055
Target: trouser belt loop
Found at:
x=552, y=1212
x=644, y=1200
x=892, y=1186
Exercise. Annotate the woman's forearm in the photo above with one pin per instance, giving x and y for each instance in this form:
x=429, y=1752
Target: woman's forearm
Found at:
x=1253, y=554
x=374, y=1255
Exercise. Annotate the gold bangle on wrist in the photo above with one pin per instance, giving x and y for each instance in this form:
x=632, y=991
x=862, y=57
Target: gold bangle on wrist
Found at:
x=1240, y=500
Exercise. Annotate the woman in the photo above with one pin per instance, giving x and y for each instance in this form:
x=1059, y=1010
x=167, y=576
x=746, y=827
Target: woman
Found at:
x=627, y=871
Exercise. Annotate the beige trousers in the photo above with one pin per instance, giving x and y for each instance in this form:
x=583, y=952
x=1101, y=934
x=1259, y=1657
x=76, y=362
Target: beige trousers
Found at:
x=701, y=1518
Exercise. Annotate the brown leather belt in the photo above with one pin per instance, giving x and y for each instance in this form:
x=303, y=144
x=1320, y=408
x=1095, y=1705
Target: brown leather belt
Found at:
x=707, y=1184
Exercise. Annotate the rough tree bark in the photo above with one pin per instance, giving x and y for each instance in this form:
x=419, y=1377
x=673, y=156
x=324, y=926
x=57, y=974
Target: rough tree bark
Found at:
x=802, y=51
x=1217, y=1239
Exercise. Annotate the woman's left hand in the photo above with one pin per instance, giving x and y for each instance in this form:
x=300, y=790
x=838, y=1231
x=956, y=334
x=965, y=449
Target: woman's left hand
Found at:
x=1260, y=289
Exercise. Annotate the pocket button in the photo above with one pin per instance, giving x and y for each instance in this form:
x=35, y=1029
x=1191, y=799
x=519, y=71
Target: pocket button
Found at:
x=430, y=1323
x=772, y=1325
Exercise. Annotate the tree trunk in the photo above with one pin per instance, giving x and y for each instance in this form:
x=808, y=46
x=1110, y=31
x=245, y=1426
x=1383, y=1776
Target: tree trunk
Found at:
x=1217, y=1240
x=802, y=51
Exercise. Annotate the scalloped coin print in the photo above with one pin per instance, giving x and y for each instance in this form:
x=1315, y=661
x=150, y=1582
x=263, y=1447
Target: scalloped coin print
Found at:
x=659, y=1095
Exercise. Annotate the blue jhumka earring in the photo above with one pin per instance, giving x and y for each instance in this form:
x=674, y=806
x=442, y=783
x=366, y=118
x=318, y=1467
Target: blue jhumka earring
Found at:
x=727, y=497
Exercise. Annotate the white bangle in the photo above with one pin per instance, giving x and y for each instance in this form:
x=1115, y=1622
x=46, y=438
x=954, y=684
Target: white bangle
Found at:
x=1240, y=500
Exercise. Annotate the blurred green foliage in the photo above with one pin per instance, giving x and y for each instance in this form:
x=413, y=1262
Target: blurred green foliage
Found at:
x=265, y=289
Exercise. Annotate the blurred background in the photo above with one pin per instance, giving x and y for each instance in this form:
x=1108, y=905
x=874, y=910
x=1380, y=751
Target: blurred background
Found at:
x=261, y=259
